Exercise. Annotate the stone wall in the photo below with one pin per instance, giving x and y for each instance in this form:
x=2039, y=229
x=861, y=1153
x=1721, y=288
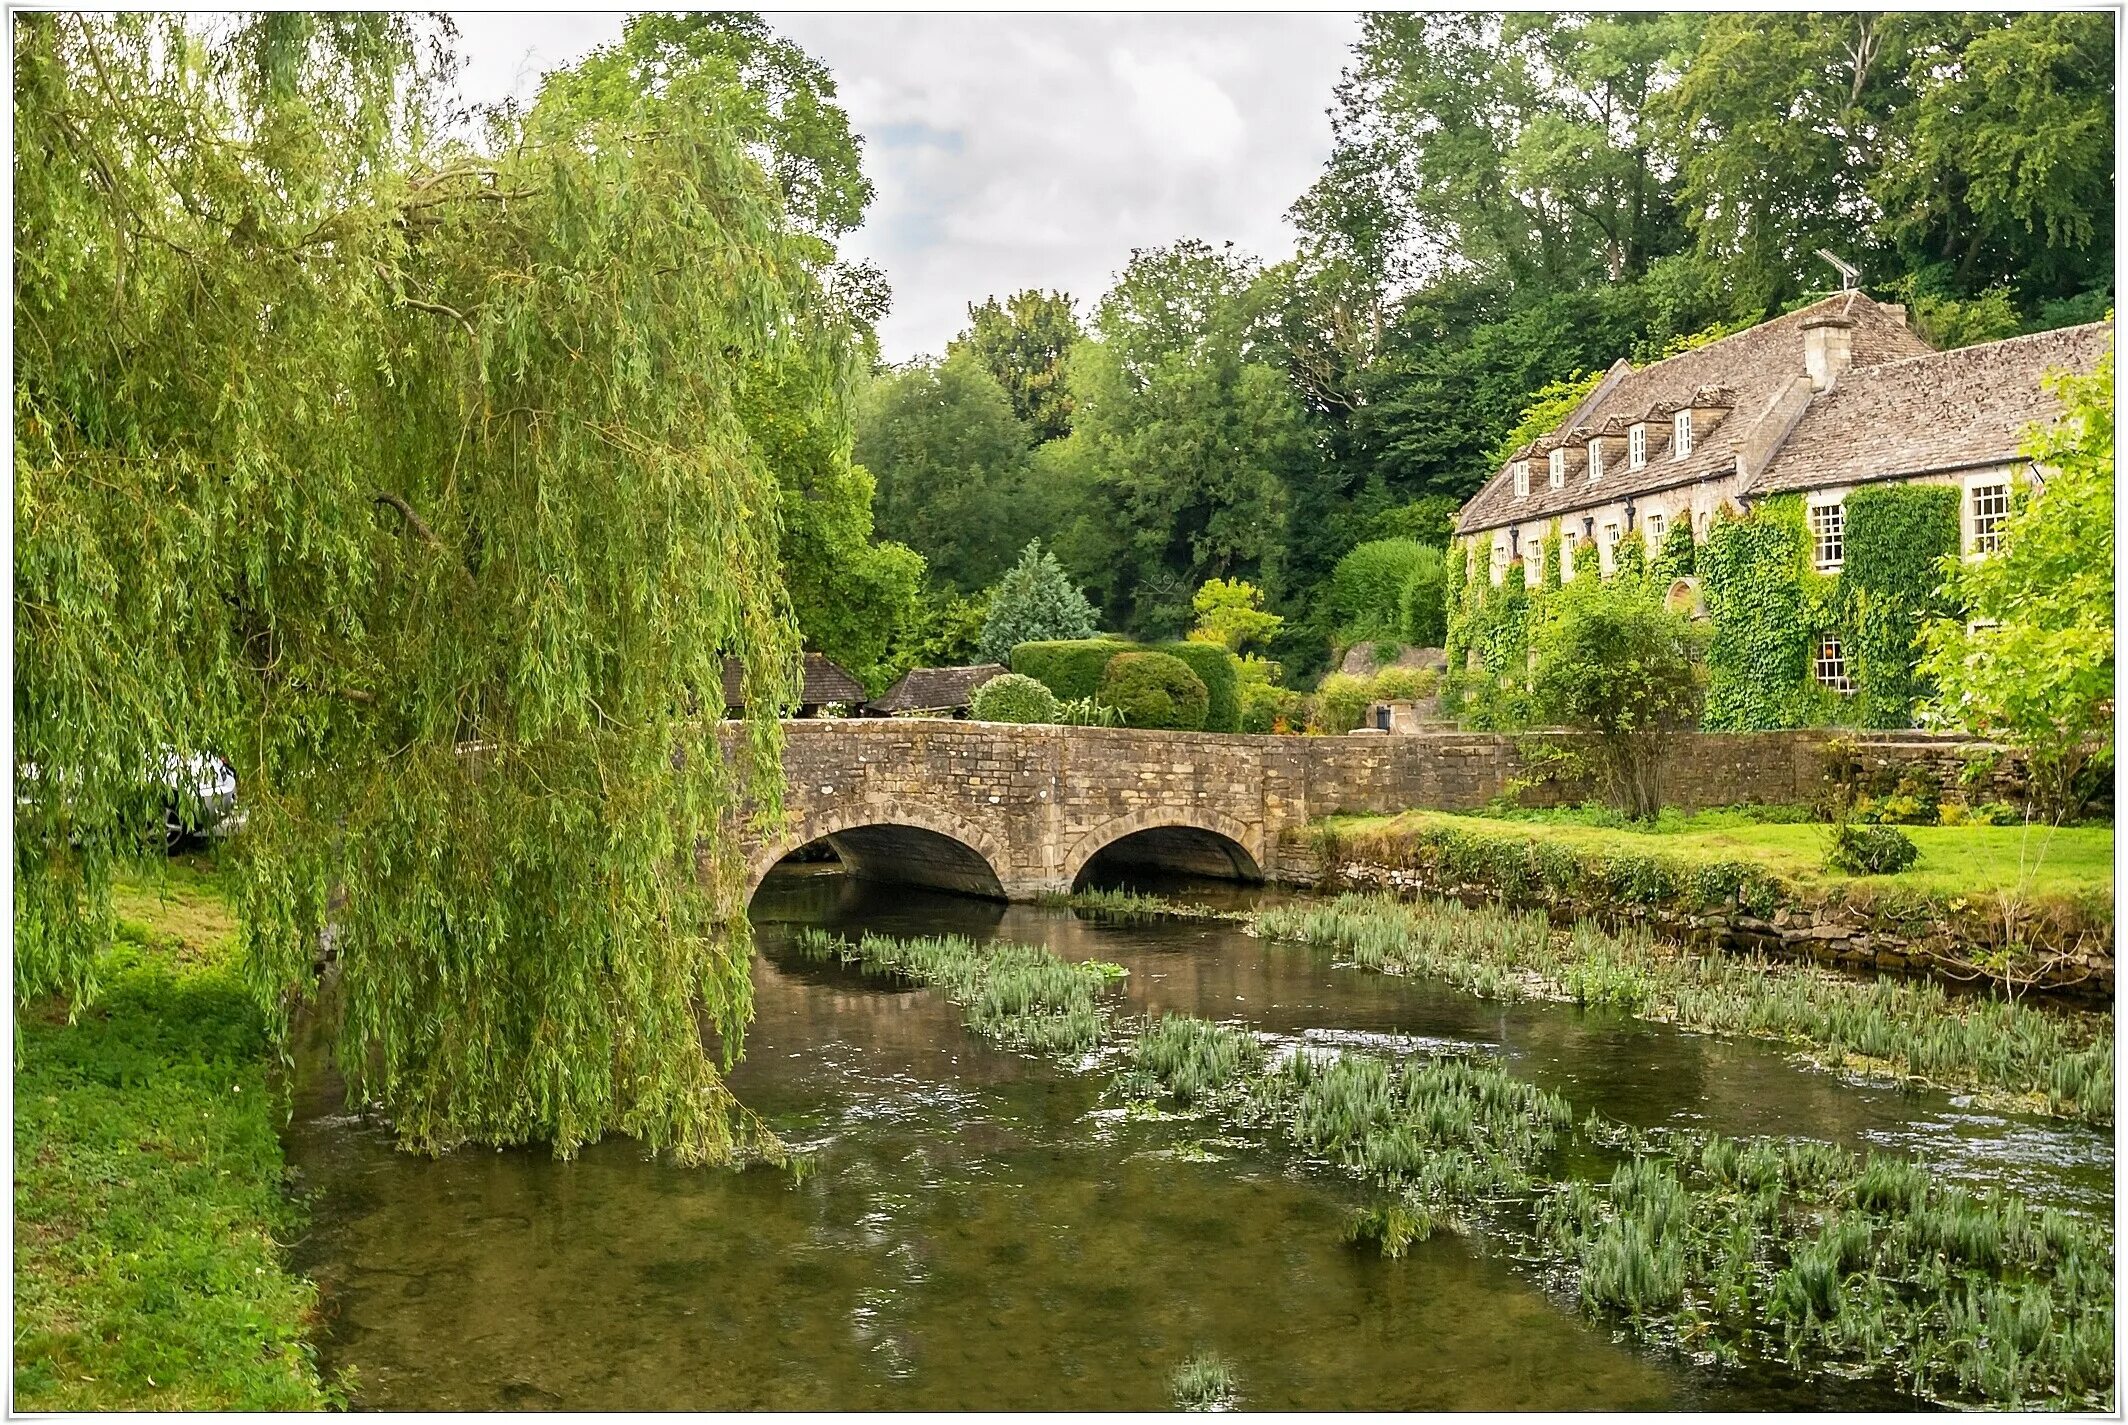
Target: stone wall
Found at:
x=1030, y=806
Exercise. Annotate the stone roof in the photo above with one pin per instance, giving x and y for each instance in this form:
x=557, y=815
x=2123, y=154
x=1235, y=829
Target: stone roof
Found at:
x=935, y=689
x=826, y=681
x=1748, y=372
x=1949, y=410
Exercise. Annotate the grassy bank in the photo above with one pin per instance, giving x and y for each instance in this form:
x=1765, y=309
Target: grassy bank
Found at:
x=149, y=1190
x=2065, y=865
x=2024, y=1055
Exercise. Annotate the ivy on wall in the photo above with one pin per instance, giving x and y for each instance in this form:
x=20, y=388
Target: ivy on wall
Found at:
x=1768, y=609
x=1894, y=537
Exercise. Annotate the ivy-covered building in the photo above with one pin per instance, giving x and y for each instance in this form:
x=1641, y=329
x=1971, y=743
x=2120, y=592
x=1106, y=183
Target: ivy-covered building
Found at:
x=1808, y=473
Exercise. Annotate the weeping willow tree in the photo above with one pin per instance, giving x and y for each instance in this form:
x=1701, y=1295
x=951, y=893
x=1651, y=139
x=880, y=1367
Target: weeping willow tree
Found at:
x=412, y=476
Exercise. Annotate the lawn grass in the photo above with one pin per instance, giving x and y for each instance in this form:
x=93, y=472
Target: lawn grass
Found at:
x=2070, y=863
x=149, y=1182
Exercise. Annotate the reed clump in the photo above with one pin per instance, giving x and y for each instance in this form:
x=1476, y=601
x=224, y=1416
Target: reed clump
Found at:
x=2052, y=1059
x=1128, y=906
x=1445, y=1132
x=1203, y=1382
x=1015, y=994
x=1826, y=1257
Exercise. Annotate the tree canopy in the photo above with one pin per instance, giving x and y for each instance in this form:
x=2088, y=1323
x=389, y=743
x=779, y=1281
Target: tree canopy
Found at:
x=428, y=483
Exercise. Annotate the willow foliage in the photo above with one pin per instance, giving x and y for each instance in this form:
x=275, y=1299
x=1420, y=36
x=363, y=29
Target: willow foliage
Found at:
x=415, y=480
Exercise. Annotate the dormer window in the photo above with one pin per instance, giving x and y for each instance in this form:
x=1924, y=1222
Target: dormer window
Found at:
x=1595, y=461
x=1681, y=435
x=1637, y=446
x=1558, y=471
x=1521, y=479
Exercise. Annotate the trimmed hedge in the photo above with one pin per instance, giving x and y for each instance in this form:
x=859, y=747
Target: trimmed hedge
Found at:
x=1072, y=668
x=1155, y=690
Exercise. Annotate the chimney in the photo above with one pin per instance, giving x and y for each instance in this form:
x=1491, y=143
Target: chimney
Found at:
x=1828, y=348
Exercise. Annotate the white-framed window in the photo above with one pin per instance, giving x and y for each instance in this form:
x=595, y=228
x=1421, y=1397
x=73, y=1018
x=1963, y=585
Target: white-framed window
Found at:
x=1681, y=435
x=1989, y=506
x=1829, y=664
x=1636, y=447
x=1533, y=562
x=1595, y=461
x=1558, y=471
x=1521, y=478
x=1655, y=529
x=1827, y=525
x=1566, y=557
x=1608, y=550
x=1499, y=561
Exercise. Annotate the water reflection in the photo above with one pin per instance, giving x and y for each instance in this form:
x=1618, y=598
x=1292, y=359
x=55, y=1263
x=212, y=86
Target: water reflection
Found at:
x=978, y=1235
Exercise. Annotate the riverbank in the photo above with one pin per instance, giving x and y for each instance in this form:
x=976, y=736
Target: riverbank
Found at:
x=150, y=1199
x=2032, y=907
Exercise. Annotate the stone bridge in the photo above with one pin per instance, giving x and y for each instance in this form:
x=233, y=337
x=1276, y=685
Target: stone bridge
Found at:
x=1007, y=811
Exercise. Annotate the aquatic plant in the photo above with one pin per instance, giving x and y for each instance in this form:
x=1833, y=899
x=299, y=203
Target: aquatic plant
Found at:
x=1203, y=1382
x=1016, y=994
x=1915, y=1029
x=1127, y=905
x=1835, y=1260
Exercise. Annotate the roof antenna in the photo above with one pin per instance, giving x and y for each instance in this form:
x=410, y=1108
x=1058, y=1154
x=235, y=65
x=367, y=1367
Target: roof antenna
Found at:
x=1848, y=271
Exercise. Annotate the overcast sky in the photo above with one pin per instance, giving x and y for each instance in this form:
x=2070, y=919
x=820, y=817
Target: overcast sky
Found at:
x=1026, y=150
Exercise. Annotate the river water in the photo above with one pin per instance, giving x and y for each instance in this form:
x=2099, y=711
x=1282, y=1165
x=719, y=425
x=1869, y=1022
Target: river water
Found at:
x=981, y=1232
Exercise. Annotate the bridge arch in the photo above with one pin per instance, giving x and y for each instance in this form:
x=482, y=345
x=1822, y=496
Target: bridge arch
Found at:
x=1195, y=840
x=907, y=842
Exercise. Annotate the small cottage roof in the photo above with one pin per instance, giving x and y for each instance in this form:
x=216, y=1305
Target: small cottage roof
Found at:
x=935, y=689
x=826, y=681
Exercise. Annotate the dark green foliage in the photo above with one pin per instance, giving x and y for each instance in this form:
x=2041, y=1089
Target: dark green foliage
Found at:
x=1012, y=697
x=1766, y=607
x=1216, y=669
x=1614, y=661
x=1893, y=536
x=949, y=459
x=1023, y=342
x=1674, y=560
x=1870, y=850
x=1366, y=589
x=1154, y=690
x=1422, y=613
x=1072, y=668
x=1035, y=602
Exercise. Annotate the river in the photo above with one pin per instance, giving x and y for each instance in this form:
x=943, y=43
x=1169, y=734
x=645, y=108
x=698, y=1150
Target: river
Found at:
x=979, y=1231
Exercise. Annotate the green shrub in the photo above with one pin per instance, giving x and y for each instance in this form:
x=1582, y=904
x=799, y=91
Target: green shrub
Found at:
x=1675, y=559
x=1341, y=700
x=1366, y=590
x=1404, y=684
x=1013, y=697
x=1268, y=709
x=1216, y=669
x=1422, y=607
x=1870, y=850
x=1035, y=600
x=1894, y=536
x=1074, y=668
x=1070, y=668
x=1155, y=690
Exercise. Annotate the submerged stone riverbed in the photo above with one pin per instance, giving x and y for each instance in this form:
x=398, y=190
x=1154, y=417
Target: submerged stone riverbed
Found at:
x=977, y=1230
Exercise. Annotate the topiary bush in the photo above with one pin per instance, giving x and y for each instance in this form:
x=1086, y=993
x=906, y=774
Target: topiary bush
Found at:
x=1870, y=850
x=1366, y=589
x=1155, y=690
x=1012, y=697
x=1074, y=668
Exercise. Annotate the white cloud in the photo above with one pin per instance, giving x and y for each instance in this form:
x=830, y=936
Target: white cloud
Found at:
x=1033, y=150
